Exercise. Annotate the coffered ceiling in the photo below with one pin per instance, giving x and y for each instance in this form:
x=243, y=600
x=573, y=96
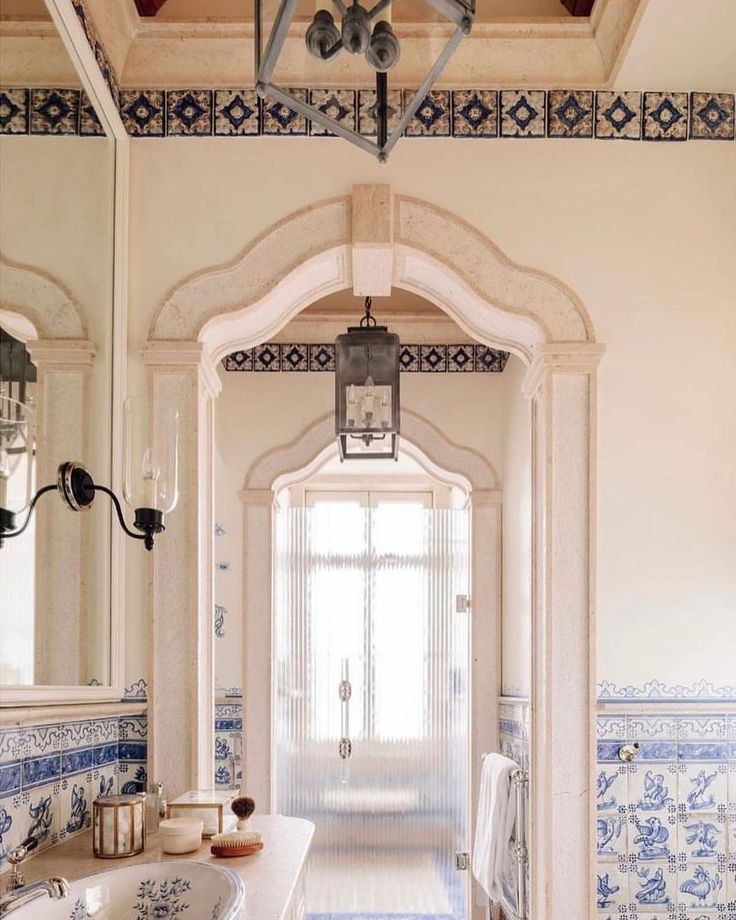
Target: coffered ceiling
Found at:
x=517, y=43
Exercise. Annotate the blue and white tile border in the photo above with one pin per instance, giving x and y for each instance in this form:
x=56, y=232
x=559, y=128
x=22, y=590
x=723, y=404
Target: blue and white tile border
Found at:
x=228, y=767
x=656, y=691
x=650, y=115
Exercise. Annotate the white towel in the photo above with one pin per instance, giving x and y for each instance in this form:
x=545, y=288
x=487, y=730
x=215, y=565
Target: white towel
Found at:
x=495, y=824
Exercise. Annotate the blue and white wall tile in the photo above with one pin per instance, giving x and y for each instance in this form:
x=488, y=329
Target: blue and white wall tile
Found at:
x=675, y=854
x=50, y=774
x=229, y=742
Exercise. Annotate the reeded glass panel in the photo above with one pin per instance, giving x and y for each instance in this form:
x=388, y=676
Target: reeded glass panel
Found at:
x=370, y=593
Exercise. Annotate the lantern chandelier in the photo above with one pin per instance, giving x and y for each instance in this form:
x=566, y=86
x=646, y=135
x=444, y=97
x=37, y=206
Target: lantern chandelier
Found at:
x=361, y=31
x=367, y=410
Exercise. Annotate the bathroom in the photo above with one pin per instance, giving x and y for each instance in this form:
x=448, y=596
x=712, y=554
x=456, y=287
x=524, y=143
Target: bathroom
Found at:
x=545, y=569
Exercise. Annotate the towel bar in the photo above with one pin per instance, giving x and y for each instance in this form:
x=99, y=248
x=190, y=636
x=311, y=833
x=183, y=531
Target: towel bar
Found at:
x=521, y=850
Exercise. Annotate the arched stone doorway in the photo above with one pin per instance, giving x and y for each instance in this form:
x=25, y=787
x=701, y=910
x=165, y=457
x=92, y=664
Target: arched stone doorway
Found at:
x=370, y=241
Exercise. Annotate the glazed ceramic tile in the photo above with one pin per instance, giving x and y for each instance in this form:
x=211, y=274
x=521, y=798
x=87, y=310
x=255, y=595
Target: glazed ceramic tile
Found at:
x=236, y=112
x=280, y=119
x=570, y=113
x=665, y=116
x=522, y=113
x=188, y=112
x=432, y=118
x=618, y=115
x=54, y=111
x=142, y=111
x=14, y=111
x=338, y=104
x=712, y=116
x=295, y=358
x=433, y=358
x=367, y=111
x=322, y=357
x=475, y=113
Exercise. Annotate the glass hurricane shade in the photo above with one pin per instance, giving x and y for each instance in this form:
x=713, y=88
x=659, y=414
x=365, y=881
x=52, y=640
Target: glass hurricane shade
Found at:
x=17, y=433
x=151, y=446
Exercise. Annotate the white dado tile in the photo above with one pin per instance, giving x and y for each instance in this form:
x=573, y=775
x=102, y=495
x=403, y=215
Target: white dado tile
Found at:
x=653, y=787
x=702, y=836
x=41, y=740
x=611, y=888
x=652, y=887
x=610, y=836
x=611, y=787
x=652, y=837
x=701, y=884
x=651, y=727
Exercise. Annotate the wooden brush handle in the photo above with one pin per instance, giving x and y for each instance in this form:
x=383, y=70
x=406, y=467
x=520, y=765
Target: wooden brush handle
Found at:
x=243, y=850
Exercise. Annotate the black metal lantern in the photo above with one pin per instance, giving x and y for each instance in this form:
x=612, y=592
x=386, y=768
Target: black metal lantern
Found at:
x=367, y=409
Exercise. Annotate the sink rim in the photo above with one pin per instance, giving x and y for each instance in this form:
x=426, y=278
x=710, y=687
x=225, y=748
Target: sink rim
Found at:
x=236, y=883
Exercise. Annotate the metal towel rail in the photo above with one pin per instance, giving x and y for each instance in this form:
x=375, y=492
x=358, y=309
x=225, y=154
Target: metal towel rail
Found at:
x=518, y=911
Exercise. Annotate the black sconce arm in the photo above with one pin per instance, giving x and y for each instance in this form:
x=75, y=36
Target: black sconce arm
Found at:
x=77, y=489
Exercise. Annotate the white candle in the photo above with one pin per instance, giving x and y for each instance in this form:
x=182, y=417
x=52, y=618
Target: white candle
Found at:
x=150, y=480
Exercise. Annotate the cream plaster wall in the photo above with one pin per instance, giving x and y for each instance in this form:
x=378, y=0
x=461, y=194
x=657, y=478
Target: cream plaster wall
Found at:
x=56, y=214
x=517, y=537
x=645, y=235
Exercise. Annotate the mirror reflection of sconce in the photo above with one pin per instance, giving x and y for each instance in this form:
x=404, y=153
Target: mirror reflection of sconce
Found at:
x=151, y=470
x=628, y=752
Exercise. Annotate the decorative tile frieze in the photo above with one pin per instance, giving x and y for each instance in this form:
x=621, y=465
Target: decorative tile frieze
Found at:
x=14, y=111
x=278, y=118
x=462, y=113
x=143, y=111
x=712, y=116
x=475, y=113
x=338, y=104
x=237, y=113
x=655, y=691
x=428, y=359
x=432, y=118
x=570, y=113
x=665, y=116
x=523, y=113
x=189, y=113
x=618, y=115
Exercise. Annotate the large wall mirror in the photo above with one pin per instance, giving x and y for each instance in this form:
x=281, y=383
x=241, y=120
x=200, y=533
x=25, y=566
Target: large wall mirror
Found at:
x=57, y=198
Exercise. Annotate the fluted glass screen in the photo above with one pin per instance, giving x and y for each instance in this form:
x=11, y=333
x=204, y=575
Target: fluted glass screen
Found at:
x=371, y=700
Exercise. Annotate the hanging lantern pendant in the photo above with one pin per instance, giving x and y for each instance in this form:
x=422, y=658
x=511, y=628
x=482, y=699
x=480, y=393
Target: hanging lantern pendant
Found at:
x=367, y=409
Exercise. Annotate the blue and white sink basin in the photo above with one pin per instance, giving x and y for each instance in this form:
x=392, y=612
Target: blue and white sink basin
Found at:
x=176, y=890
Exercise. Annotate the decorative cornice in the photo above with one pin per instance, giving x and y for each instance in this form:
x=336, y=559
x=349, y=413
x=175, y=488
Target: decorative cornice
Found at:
x=294, y=357
x=46, y=353
x=632, y=115
x=561, y=358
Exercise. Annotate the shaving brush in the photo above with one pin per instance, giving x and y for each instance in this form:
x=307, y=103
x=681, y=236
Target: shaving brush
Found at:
x=243, y=807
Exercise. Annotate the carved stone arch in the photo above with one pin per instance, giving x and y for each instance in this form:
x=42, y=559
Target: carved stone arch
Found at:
x=312, y=252
x=439, y=456
x=43, y=300
x=401, y=242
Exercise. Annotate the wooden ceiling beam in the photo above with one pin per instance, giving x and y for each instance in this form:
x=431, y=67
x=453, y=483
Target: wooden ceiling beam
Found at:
x=148, y=8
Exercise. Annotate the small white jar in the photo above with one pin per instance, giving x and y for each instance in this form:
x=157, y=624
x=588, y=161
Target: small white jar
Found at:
x=180, y=835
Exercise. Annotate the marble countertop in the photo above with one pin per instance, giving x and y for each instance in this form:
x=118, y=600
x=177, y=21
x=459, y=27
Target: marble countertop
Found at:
x=270, y=877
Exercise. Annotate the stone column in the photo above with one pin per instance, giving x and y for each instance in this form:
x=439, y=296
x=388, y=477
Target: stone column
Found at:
x=257, y=634
x=561, y=383
x=181, y=645
x=62, y=404
x=485, y=643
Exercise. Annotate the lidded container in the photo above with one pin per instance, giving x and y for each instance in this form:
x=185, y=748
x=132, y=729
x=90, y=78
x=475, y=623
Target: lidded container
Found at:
x=180, y=835
x=118, y=826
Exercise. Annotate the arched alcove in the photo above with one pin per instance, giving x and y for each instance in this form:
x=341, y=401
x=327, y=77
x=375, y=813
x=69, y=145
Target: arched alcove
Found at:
x=369, y=241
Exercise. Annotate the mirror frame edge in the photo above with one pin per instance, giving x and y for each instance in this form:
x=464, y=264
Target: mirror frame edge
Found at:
x=83, y=59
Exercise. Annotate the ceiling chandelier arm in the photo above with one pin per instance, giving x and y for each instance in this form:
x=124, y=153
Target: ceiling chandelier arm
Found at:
x=302, y=108
x=420, y=95
x=458, y=13
x=340, y=7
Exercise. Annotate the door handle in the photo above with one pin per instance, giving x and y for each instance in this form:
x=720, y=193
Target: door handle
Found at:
x=345, y=691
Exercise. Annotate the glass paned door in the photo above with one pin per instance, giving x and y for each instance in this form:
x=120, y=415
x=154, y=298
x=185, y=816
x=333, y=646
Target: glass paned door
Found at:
x=371, y=700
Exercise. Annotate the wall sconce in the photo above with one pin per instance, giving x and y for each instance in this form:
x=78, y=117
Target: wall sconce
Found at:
x=367, y=410
x=151, y=473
